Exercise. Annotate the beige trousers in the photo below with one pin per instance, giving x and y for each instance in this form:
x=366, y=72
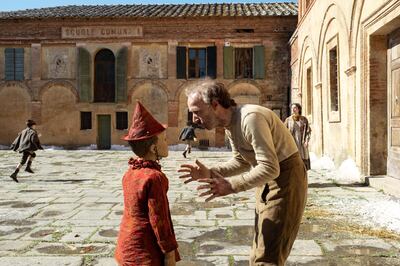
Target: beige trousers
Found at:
x=279, y=209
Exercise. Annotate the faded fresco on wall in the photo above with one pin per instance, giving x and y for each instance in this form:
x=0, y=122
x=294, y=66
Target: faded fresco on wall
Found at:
x=150, y=61
x=58, y=66
x=58, y=63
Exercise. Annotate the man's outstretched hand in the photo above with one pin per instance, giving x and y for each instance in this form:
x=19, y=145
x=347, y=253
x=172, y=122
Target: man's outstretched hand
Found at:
x=194, y=172
x=217, y=186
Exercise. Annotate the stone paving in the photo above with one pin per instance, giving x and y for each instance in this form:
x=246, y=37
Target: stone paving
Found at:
x=68, y=213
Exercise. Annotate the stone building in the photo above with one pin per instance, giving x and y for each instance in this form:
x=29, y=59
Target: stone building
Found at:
x=78, y=70
x=346, y=73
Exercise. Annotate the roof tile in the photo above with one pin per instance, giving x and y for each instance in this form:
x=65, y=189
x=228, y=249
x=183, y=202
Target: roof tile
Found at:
x=149, y=11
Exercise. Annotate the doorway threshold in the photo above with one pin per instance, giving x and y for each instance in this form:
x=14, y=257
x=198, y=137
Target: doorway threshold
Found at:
x=387, y=184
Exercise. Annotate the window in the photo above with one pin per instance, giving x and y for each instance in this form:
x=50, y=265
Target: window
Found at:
x=309, y=91
x=122, y=120
x=86, y=120
x=196, y=62
x=14, y=63
x=333, y=79
x=244, y=30
x=104, y=89
x=244, y=63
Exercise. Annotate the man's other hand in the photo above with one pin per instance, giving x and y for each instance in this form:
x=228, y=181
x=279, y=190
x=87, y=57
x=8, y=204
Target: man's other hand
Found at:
x=217, y=187
x=194, y=172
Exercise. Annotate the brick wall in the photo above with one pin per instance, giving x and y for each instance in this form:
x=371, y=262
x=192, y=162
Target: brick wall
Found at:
x=272, y=32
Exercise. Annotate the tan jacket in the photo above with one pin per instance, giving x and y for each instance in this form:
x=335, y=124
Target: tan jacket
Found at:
x=259, y=141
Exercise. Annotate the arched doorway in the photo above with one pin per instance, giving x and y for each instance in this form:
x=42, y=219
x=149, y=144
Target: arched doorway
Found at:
x=245, y=93
x=104, y=72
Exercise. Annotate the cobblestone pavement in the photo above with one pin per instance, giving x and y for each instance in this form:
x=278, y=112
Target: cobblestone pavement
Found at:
x=68, y=213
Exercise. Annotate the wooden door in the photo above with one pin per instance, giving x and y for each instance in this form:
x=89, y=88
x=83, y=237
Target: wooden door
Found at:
x=103, y=132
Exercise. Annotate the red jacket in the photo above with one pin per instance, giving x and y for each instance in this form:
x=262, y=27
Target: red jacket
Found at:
x=146, y=230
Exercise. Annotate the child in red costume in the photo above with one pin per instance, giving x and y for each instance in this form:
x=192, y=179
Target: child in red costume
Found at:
x=146, y=235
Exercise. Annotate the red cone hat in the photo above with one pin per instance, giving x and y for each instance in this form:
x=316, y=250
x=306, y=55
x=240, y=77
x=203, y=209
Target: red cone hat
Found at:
x=144, y=125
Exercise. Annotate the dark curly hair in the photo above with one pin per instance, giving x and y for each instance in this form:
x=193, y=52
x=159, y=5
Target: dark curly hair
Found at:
x=141, y=147
x=298, y=107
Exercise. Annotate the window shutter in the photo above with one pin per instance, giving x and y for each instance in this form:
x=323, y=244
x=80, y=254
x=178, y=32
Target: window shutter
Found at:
x=121, y=69
x=84, y=80
x=229, y=62
x=9, y=63
x=181, y=62
x=19, y=63
x=259, y=62
x=212, y=62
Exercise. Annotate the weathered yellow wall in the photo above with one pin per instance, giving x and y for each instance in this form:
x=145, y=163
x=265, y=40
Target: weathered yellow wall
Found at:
x=60, y=117
x=353, y=22
x=15, y=109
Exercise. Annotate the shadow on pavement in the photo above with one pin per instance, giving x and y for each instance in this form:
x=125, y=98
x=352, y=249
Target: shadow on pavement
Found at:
x=327, y=185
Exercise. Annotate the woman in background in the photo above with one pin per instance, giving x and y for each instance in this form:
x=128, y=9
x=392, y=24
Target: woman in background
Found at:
x=300, y=129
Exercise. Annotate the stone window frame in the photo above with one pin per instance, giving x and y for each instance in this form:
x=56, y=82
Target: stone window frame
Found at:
x=308, y=89
x=334, y=116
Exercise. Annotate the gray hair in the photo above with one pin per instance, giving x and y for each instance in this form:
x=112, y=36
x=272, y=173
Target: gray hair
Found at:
x=210, y=90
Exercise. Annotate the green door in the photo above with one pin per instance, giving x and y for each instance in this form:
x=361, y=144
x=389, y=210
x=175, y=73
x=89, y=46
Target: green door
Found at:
x=103, y=132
